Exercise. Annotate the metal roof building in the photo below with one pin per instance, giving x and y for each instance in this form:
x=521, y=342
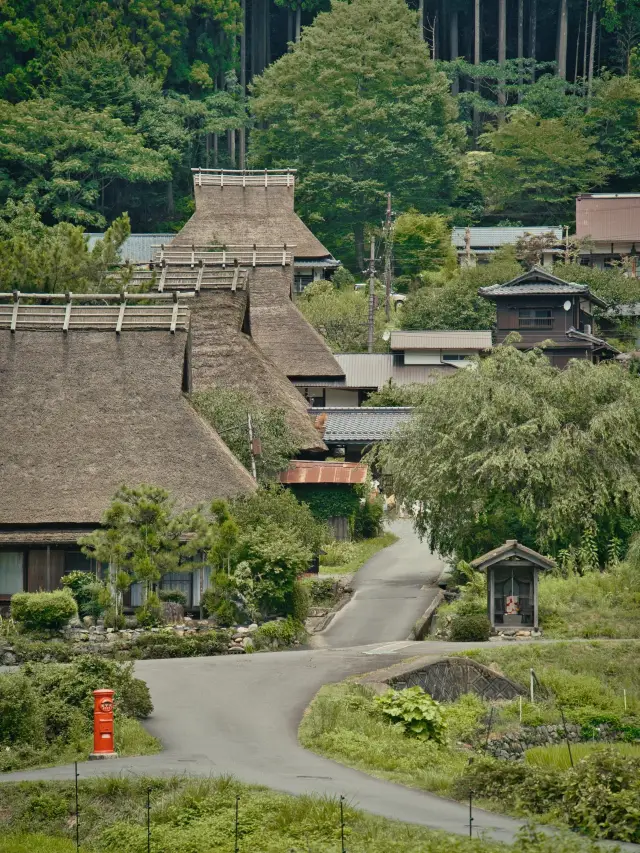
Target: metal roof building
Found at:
x=444, y=339
x=488, y=239
x=137, y=248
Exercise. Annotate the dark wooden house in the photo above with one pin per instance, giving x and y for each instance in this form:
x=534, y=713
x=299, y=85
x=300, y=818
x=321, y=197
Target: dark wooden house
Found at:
x=544, y=308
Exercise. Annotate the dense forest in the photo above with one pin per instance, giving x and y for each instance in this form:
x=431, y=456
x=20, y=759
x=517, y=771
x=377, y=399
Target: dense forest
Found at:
x=486, y=111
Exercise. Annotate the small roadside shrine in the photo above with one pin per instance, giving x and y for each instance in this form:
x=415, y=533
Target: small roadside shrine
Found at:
x=512, y=585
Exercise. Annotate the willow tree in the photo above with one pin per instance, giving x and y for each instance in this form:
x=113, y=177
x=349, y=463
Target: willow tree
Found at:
x=515, y=448
x=359, y=108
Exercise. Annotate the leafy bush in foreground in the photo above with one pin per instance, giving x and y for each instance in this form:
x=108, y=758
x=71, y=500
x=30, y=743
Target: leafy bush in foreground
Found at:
x=469, y=627
x=43, y=611
x=415, y=712
x=281, y=632
x=170, y=645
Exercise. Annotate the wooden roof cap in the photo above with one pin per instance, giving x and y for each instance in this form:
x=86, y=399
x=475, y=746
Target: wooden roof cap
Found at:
x=512, y=548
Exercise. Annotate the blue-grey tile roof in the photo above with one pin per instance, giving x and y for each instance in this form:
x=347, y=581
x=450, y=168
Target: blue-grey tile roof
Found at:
x=137, y=248
x=361, y=425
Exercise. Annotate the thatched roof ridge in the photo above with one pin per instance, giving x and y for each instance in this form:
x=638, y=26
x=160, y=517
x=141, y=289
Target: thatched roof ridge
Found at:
x=244, y=216
x=86, y=412
x=222, y=355
x=281, y=331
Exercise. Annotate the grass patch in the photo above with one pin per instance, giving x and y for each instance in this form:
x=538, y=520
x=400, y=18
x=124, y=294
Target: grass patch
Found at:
x=198, y=816
x=357, y=554
x=578, y=673
x=596, y=604
x=30, y=843
x=342, y=723
x=557, y=757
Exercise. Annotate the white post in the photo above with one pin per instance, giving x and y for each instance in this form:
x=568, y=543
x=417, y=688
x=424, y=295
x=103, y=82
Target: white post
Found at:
x=253, y=458
x=624, y=694
x=531, y=694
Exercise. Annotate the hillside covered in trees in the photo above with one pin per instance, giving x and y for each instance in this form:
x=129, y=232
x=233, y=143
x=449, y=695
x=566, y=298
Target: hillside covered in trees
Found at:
x=485, y=111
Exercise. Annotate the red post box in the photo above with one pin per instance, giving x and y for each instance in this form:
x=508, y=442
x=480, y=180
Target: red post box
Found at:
x=103, y=725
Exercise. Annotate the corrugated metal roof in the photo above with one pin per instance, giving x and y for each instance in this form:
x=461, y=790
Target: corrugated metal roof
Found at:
x=362, y=425
x=444, y=339
x=610, y=218
x=137, y=248
x=494, y=237
x=365, y=370
x=304, y=472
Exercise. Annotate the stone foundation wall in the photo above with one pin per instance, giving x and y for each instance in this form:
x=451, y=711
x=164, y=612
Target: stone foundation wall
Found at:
x=513, y=745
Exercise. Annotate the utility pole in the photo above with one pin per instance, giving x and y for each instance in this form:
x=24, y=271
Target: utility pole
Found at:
x=372, y=292
x=254, y=473
x=387, y=260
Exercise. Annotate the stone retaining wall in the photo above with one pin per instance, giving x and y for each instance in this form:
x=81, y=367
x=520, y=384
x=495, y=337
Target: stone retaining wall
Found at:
x=513, y=745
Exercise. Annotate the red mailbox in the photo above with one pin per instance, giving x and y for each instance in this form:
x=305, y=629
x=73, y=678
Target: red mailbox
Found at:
x=103, y=725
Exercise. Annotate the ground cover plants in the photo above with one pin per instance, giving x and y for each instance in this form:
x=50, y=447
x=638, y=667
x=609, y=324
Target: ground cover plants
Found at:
x=46, y=712
x=199, y=816
x=446, y=748
x=343, y=558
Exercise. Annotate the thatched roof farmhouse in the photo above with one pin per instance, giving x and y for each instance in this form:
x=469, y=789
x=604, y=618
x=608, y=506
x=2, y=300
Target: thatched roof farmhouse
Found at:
x=86, y=408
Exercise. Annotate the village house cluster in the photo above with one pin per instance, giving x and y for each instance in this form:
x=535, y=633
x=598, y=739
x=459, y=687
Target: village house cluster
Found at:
x=94, y=388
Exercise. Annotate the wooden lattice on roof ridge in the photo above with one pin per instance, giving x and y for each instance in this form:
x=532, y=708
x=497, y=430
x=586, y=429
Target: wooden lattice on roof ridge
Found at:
x=246, y=255
x=201, y=276
x=110, y=312
x=244, y=177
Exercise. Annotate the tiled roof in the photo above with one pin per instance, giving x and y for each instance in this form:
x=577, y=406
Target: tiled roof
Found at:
x=538, y=281
x=443, y=339
x=361, y=425
x=137, y=248
x=305, y=472
x=493, y=237
x=532, y=289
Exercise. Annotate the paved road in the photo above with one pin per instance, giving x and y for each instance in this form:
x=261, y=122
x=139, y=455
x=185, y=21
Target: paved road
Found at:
x=392, y=591
x=239, y=715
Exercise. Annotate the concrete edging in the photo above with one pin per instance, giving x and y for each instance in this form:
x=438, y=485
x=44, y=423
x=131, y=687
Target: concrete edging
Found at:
x=422, y=625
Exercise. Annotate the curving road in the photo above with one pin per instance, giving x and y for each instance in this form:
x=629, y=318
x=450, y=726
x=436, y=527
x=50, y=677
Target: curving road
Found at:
x=239, y=715
x=392, y=590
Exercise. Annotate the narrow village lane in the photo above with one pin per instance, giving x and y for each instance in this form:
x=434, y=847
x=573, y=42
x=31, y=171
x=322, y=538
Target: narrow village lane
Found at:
x=392, y=590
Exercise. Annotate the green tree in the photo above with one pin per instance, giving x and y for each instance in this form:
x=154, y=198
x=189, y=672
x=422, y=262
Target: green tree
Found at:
x=614, y=120
x=279, y=506
x=536, y=167
x=228, y=411
x=451, y=300
x=611, y=284
x=55, y=259
x=141, y=535
x=66, y=159
x=396, y=395
x=360, y=110
x=519, y=449
x=341, y=316
x=422, y=243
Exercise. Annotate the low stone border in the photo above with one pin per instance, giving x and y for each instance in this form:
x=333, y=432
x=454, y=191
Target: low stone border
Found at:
x=513, y=745
x=320, y=617
x=423, y=624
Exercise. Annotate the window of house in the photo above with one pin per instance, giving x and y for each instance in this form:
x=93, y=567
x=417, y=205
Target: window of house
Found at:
x=11, y=572
x=535, y=317
x=454, y=356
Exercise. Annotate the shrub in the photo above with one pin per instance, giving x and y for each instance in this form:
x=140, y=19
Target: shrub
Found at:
x=150, y=615
x=415, y=712
x=86, y=592
x=170, y=645
x=27, y=649
x=282, y=632
x=322, y=591
x=463, y=717
x=113, y=619
x=43, y=611
x=300, y=602
x=177, y=596
x=602, y=795
x=217, y=601
x=20, y=717
x=368, y=519
x=470, y=627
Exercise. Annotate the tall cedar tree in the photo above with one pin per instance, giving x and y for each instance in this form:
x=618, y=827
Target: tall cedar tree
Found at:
x=360, y=110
